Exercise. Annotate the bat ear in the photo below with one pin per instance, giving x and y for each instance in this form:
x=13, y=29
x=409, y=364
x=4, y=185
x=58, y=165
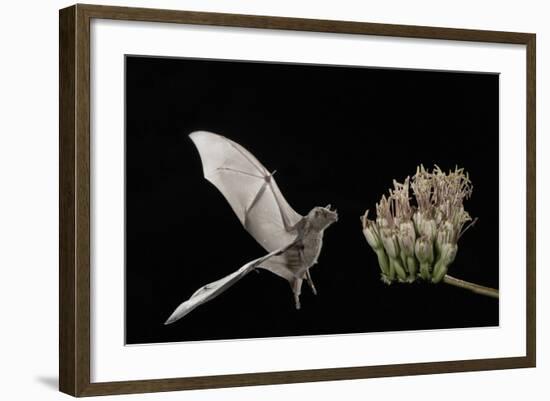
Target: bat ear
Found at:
x=328, y=206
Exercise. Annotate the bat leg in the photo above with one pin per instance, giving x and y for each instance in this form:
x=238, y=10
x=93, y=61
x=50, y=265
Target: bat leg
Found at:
x=307, y=274
x=297, y=301
x=296, y=289
x=310, y=282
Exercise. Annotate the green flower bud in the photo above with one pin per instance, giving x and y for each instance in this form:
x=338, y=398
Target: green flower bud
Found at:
x=448, y=253
x=370, y=230
x=372, y=235
x=446, y=232
x=391, y=245
x=424, y=253
x=440, y=270
x=425, y=270
x=423, y=250
x=391, y=270
x=407, y=237
x=425, y=226
x=398, y=267
x=428, y=228
x=383, y=261
x=447, y=256
x=412, y=266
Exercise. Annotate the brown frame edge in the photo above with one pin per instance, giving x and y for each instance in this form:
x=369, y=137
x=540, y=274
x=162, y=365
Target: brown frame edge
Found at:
x=74, y=199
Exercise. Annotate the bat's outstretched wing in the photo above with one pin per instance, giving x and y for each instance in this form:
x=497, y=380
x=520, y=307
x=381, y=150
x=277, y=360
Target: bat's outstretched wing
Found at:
x=212, y=290
x=257, y=201
x=249, y=188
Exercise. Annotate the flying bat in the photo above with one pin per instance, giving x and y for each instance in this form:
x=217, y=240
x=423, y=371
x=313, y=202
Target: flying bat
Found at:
x=293, y=241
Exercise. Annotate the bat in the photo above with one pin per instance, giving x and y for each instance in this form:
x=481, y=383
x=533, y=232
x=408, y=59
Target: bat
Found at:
x=293, y=241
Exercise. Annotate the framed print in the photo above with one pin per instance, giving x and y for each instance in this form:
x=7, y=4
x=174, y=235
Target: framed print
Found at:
x=251, y=200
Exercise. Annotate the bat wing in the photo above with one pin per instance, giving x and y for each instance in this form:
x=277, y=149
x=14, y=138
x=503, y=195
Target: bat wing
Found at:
x=212, y=290
x=249, y=188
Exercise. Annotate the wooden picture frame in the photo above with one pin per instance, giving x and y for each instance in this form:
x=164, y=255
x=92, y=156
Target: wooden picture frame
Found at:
x=74, y=206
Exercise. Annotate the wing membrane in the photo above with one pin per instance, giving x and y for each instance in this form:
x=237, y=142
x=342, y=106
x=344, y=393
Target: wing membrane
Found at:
x=249, y=188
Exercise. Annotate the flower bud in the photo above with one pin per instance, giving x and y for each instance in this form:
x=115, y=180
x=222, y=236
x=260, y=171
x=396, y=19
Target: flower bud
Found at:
x=383, y=262
x=391, y=245
x=407, y=237
x=428, y=228
x=446, y=257
x=444, y=236
x=440, y=270
x=448, y=253
x=399, y=269
x=424, y=250
x=412, y=267
x=449, y=229
x=424, y=225
x=372, y=236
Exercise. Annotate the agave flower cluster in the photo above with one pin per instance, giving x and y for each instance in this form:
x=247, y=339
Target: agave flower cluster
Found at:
x=419, y=240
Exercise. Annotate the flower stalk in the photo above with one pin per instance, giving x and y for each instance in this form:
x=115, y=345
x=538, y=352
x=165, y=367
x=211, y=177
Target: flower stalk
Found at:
x=478, y=289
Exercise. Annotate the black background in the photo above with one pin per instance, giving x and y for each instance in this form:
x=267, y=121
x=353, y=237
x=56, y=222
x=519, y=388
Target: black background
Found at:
x=336, y=135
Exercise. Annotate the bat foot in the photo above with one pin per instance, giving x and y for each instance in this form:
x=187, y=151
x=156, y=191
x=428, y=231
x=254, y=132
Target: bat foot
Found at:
x=297, y=302
x=310, y=282
x=313, y=289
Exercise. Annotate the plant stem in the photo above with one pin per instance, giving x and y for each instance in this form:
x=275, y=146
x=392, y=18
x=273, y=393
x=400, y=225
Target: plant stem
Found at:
x=478, y=289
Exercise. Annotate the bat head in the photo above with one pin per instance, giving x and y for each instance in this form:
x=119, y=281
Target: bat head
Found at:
x=322, y=217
